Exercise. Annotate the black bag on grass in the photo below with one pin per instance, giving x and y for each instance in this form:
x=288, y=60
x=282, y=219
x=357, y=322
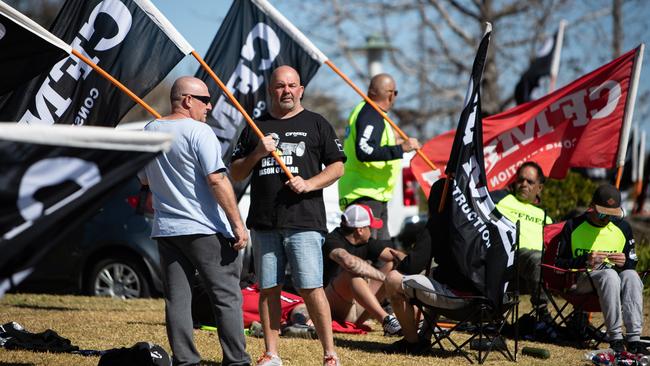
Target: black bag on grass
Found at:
x=141, y=354
x=14, y=336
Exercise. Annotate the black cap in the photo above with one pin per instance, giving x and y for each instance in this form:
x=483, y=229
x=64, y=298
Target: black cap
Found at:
x=607, y=200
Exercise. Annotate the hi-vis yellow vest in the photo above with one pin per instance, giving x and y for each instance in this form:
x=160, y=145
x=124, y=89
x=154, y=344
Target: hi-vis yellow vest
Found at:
x=587, y=238
x=531, y=221
x=375, y=179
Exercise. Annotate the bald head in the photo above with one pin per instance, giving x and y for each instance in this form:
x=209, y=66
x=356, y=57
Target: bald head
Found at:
x=382, y=90
x=187, y=85
x=190, y=98
x=285, y=91
x=285, y=71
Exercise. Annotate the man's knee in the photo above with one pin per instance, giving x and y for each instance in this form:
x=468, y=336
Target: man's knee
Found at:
x=631, y=279
x=271, y=292
x=608, y=279
x=393, y=284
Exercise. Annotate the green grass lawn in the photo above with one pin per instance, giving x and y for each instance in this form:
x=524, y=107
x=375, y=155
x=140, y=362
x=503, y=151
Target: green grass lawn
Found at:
x=101, y=323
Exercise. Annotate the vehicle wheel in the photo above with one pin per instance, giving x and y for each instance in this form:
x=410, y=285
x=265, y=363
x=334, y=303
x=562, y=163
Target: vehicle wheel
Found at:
x=119, y=277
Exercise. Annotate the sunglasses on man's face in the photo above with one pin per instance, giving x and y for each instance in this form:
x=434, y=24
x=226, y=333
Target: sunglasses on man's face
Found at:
x=522, y=180
x=603, y=216
x=203, y=98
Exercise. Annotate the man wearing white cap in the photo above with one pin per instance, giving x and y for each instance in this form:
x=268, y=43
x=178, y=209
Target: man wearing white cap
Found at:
x=347, y=251
x=602, y=241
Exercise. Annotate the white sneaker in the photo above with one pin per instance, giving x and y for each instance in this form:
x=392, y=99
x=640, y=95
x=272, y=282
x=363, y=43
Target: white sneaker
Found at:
x=331, y=360
x=391, y=326
x=269, y=359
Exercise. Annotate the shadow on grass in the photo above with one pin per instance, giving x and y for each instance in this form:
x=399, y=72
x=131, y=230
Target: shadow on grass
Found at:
x=15, y=364
x=42, y=307
x=376, y=347
x=145, y=323
x=205, y=363
x=367, y=346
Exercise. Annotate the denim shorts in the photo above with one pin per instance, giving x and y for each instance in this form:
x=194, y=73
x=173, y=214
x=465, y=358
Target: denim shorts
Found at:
x=302, y=249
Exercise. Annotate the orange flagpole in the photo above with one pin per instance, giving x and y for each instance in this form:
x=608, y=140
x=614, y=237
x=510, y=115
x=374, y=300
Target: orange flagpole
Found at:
x=619, y=174
x=382, y=113
x=117, y=83
x=240, y=109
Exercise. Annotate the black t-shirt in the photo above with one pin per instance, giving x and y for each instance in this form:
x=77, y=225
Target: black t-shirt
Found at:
x=306, y=141
x=369, y=251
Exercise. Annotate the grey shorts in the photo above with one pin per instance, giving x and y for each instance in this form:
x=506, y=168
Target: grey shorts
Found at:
x=431, y=292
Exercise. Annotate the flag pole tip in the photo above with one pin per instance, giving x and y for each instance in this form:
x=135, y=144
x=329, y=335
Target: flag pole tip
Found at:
x=488, y=27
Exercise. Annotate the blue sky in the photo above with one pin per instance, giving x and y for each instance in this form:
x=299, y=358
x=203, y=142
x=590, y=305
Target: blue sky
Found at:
x=199, y=20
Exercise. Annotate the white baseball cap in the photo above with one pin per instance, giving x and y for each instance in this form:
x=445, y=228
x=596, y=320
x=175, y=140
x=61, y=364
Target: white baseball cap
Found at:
x=358, y=215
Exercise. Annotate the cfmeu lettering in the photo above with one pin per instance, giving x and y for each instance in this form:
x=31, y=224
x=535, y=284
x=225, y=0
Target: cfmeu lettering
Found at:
x=53, y=97
x=578, y=108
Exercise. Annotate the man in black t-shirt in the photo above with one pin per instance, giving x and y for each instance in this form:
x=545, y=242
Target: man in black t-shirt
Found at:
x=287, y=216
x=347, y=251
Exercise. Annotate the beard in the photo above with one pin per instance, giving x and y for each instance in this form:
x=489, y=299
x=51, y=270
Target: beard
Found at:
x=287, y=104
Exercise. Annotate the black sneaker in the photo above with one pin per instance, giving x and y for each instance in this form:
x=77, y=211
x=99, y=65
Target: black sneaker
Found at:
x=638, y=348
x=404, y=347
x=617, y=345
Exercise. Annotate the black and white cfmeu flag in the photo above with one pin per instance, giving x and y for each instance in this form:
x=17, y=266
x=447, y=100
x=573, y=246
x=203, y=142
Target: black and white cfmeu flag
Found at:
x=129, y=39
x=26, y=49
x=483, y=240
x=253, y=39
x=53, y=177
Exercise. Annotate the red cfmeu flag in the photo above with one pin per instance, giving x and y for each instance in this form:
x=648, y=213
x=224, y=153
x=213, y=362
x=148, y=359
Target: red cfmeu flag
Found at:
x=578, y=125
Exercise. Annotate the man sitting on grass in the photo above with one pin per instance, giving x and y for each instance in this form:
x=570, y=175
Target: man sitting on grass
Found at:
x=354, y=287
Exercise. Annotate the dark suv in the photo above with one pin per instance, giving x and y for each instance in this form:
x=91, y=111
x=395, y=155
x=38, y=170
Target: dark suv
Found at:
x=109, y=255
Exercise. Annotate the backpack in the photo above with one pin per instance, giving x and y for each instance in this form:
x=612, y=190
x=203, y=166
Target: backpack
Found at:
x=140, y=354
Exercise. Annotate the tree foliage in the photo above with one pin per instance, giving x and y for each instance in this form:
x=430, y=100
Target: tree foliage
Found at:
x=434, y=41
x=561, y=198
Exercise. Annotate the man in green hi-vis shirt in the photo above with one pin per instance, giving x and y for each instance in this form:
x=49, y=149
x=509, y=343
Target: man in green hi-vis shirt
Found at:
x=373, y=153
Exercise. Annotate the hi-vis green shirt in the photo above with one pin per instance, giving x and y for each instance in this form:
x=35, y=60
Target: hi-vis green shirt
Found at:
x=531, y=219
x=373, y=161
x=579, y=238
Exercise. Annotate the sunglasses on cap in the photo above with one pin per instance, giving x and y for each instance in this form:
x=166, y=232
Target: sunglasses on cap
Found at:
x=203, y=98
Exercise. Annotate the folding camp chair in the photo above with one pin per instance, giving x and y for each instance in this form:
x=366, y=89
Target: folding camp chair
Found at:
x=481, y=317
x=559, y=281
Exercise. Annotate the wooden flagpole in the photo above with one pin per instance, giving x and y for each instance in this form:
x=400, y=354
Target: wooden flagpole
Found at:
x=629, y=113
x=241, y=109
x=117, y=83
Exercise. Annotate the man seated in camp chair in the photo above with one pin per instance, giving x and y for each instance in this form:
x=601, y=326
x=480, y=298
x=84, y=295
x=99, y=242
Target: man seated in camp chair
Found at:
x=347, y=273
x=519, y=203
x=436, y=288
x=602, y=242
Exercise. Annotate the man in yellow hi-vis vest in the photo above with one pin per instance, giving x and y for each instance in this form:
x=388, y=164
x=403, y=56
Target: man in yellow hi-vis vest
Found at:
x=519, y=204
x=602, y=241
x=373, y=153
